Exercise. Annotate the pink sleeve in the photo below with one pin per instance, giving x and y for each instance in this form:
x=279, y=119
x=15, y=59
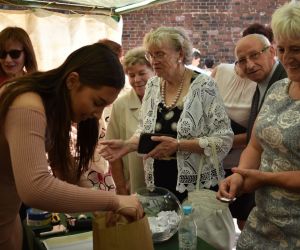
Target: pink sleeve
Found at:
x=25, y=132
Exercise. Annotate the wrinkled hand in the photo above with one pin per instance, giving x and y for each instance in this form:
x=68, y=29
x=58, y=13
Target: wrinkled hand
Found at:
x=130, y=206
x=253, y=179
x=167, y=147
x=112, y=150
x=230, y=187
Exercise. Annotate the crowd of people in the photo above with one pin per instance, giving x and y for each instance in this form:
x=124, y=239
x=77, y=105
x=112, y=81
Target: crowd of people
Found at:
x=184, y=106
x=248, y=111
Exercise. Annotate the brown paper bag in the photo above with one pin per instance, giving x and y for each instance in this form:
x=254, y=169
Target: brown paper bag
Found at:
x=123, y=235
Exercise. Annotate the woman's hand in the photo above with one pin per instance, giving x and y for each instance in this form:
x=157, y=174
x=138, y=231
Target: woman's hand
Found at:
x=231, y=186
x=253, y=179
x=167, y=147
x=130, y=206
x=112, y=150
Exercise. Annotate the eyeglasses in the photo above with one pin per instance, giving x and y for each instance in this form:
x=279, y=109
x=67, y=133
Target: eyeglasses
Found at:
x=254, y=56
x=14, y=53
x=159, y=56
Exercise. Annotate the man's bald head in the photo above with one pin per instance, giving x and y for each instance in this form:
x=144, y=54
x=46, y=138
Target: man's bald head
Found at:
x=256, y=38
x=255, y=56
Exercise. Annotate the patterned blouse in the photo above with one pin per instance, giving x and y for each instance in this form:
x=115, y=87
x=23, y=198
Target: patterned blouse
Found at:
x=275, y=221
x=204, y=117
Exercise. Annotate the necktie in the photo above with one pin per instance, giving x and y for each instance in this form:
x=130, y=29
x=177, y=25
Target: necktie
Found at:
x=253, y=113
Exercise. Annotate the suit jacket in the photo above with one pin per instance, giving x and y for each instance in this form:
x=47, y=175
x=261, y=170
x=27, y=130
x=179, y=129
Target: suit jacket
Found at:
x=278, y=74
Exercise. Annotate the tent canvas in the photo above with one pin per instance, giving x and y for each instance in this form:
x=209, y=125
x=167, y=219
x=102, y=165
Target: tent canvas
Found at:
x=55, y=34
x=108, y=6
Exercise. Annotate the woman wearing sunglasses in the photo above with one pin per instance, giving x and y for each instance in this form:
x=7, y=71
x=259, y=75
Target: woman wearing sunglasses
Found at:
x=16, y=54
x=17, y=58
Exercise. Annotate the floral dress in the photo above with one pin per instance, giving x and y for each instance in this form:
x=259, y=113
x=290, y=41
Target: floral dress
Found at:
x=275, y=221
x=98, y=175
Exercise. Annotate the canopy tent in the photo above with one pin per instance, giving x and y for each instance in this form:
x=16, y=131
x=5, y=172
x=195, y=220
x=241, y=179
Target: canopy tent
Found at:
x=114, y=3
x=95, y=6
x=55, y=34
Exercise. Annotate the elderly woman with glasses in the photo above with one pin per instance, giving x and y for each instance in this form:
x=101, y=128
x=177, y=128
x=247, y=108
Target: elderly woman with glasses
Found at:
x=186, y=108
x=16, y=54
x=270, y=164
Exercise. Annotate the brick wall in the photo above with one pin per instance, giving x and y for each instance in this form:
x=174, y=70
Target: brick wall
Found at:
x=213, y=25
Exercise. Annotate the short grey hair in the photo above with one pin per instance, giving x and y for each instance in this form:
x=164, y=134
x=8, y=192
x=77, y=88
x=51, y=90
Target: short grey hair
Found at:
x=177, y=37
x=263, y=39
x=135, y=56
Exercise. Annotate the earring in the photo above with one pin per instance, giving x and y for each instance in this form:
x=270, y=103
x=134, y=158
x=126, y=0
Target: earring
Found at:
x=179, y=61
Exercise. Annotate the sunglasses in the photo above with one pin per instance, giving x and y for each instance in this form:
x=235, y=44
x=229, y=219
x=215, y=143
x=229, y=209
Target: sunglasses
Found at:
x=14, y=53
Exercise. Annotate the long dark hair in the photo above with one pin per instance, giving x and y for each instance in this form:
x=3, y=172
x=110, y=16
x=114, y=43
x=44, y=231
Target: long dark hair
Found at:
x=97, y=66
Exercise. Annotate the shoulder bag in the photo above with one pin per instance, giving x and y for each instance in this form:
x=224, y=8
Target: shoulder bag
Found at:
x=213, y=218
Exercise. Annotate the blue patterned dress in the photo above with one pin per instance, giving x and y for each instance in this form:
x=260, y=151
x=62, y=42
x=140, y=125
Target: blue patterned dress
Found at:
x=275, y=221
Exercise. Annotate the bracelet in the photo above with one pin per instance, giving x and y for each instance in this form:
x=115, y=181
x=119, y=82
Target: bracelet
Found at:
x=178, y=145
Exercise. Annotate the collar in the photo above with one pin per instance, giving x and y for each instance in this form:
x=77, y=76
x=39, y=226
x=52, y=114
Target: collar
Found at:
x=262, y=86
x=134, y=100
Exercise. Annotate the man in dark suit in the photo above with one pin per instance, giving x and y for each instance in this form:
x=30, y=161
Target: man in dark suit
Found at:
x=255, y=56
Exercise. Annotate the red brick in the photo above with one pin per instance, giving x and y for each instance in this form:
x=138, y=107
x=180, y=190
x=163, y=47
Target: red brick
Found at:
x=214, y=26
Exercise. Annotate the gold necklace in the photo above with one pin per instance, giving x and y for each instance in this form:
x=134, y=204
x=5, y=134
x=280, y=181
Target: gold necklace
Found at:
x=163, y=93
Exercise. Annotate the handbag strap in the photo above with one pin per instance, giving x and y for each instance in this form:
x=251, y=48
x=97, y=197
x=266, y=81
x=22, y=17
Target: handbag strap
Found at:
x=215, y=162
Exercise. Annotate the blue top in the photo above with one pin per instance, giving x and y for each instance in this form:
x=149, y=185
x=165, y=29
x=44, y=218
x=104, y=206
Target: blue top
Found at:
x=187, y=210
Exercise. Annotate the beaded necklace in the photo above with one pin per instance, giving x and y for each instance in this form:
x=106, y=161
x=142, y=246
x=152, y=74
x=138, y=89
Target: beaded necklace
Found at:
x=163, y=93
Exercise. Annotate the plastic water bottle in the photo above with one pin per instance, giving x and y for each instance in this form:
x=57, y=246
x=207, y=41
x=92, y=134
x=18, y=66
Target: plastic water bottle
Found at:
x=187, y=232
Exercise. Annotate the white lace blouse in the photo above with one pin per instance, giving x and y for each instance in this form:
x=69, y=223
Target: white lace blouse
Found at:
x=203, y=117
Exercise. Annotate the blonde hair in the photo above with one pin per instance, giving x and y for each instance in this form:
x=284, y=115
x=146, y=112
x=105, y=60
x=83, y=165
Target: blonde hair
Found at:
x=177, y=37
x=135, y=56
x=286, y=22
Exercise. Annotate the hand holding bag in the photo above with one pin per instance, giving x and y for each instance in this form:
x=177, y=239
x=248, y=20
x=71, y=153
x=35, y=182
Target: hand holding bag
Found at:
x=118, y=233
x=213, y=218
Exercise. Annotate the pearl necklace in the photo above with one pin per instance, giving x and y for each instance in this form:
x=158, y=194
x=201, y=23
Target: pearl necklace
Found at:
x=163, y=93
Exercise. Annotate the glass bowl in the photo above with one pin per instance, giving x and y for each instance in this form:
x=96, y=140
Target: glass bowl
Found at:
x=163, y=210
